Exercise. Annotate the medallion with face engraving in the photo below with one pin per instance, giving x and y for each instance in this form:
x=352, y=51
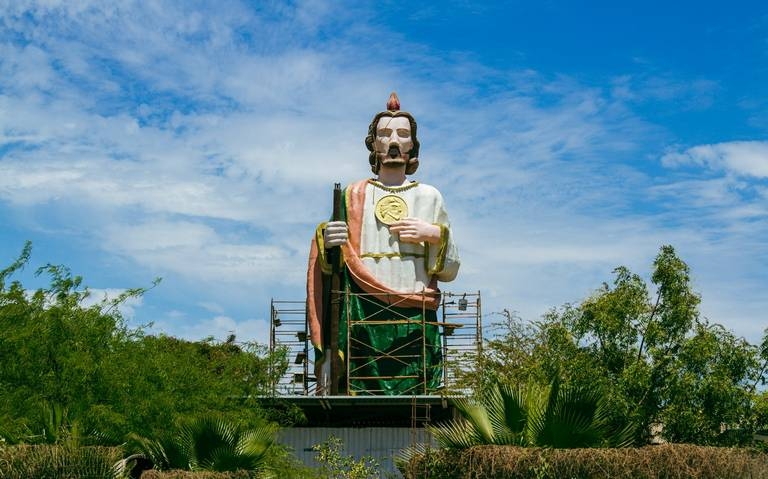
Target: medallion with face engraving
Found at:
x=391, y=209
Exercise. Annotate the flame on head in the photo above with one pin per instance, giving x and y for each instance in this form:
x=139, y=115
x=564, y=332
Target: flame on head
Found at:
x=393, y=104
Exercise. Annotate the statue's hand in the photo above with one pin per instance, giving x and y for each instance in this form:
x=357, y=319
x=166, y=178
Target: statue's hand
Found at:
x=414, y=230
x=336, y=234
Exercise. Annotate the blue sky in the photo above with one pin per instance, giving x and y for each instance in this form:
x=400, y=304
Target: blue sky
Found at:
x=199, y=142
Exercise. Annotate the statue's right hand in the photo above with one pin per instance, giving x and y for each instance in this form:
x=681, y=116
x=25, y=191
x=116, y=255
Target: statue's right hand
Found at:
x=336, y=234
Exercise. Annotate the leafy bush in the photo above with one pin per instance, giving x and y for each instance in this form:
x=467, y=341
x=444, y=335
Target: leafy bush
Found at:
x=58, y=462
x=671, y=461
x=178, y=474
x=335, y=465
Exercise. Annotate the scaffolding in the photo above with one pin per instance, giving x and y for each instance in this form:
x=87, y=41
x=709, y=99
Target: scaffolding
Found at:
x=288, y=331
x=460, y=339
x=462, y=336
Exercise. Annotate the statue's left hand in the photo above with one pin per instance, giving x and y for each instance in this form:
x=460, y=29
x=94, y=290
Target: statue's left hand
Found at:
x=414, y=230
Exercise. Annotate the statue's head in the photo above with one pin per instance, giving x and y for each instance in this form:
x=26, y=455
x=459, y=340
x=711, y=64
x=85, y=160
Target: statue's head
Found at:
x=392, y=139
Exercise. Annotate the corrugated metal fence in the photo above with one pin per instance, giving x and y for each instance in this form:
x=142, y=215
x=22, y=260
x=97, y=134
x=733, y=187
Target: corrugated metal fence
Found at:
x=380, y=443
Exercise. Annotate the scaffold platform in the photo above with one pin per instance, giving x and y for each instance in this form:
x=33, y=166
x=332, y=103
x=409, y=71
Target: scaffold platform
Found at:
x=459, y=322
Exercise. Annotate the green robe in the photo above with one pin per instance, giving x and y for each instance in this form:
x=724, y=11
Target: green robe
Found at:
x=388, y=353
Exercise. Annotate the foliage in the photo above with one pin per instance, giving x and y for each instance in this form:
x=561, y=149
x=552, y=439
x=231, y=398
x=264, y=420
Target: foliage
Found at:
x=671, y=461
x=209, y=444
x=179, y=474
x=656, y=361
x=283, y=464
x=335, y=465
x=180, y=380
x=61, y=462
x=532, y=416
x=74, y=372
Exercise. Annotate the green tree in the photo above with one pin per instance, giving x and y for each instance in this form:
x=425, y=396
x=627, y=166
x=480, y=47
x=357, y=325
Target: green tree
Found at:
x=161, y=380
x=96, y=379
x=54, y=349
x=656, y=361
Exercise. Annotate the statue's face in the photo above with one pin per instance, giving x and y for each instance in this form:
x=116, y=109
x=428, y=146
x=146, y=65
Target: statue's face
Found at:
x=393, y=140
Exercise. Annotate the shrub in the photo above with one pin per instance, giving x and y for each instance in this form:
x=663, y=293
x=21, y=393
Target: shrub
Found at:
x=671, y=461
x=59, y=462
x=335, y=465
x=179, y=474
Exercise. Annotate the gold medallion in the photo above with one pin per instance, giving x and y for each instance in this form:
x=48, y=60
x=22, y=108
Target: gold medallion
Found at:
x=391, y=209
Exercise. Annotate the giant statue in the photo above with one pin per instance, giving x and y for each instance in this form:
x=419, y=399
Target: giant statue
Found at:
x=395, y=245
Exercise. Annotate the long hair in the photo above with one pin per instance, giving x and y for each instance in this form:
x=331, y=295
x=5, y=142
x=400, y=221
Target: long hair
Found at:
x=413, y=155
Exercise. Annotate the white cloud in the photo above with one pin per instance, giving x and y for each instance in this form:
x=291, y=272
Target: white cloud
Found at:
x=198, y=252
x=742, y=158
x=212, y=307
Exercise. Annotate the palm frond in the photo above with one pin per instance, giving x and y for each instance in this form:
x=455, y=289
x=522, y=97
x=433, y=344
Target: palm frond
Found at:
x=624, y=437
x=574, y=418
x=404, y=456
x=477, y=416
x=536, y=400
x=455, y=434
x=211, y=444
x=515, y=408
x=257, y=442
x=150, y=448
x=205, y=438
x=553, y=416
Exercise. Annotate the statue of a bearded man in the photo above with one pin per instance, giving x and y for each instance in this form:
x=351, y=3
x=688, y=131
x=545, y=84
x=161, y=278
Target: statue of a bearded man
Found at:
x=396, y=245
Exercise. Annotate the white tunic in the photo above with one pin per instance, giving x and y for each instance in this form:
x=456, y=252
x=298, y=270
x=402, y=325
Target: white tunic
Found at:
x=407, y=267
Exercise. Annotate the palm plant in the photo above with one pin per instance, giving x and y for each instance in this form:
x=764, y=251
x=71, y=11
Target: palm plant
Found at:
x=209, y=444
x=533, y=416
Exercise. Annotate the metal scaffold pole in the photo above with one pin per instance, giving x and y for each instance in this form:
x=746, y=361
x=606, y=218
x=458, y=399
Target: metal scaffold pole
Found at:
x=458, y=343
